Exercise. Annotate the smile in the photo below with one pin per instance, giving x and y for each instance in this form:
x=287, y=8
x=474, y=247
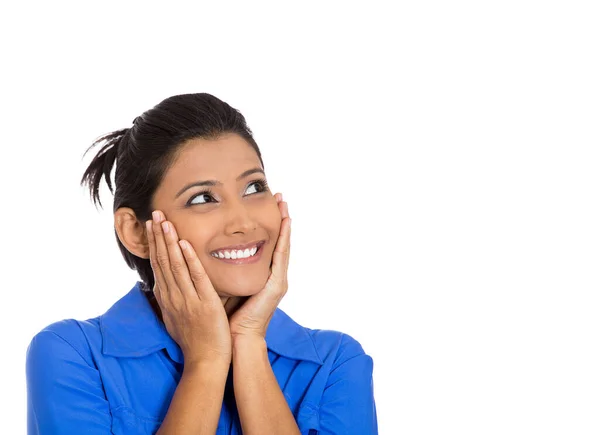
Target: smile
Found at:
x=246, y=256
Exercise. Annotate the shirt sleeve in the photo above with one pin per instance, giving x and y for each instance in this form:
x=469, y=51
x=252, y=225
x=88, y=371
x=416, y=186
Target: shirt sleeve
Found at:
x=348, y=403
x=64, y=390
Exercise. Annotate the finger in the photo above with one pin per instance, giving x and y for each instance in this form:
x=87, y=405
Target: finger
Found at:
x=198, y=275
x=281, y=255
x=283, y=208
x=159, y=281
x=178, y=263
x=171, y=291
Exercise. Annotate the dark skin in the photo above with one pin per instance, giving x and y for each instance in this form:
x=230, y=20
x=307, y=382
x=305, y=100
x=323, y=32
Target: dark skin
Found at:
x=189, y=226
x=231, y=305
x=237, y=211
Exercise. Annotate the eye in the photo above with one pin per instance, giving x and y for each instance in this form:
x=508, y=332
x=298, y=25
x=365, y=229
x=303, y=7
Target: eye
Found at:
x=205, y=193
x=262, y=187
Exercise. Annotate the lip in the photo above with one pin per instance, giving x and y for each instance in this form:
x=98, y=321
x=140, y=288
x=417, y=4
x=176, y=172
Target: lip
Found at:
x=248, y=260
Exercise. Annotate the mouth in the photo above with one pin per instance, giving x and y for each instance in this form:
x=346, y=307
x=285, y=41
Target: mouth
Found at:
x=245, y=258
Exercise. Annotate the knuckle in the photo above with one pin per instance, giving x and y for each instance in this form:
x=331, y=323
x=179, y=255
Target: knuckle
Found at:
x=163, y=260
x=177, y=267
x=197, y=276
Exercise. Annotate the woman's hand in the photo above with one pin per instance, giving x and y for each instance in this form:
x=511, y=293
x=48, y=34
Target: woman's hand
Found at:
x=253, y=316
x=191, y=308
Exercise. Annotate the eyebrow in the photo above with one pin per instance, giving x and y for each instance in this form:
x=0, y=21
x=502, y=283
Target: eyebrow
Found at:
x=218, y=183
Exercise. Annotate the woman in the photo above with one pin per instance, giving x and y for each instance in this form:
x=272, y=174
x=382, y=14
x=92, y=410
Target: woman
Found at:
x=197, y=346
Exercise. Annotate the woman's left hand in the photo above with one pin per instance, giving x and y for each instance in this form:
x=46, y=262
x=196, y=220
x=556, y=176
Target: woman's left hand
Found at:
x=253, y=316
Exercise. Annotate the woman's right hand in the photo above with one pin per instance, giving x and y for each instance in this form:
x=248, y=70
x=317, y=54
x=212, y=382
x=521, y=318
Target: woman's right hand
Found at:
x=191, y=308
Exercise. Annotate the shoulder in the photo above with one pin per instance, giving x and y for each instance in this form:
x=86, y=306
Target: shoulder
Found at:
x=68, y=335
x=289, y=338
x=336, y=347
x=345, y=402
x=65, y=390
x=327, y=338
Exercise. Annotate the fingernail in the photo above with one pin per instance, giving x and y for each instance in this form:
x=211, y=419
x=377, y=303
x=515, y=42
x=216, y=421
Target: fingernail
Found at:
x=156, y=216
x=165, y=226
x=148, y=225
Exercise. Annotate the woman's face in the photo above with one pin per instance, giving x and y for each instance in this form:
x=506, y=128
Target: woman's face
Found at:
x=237, y=211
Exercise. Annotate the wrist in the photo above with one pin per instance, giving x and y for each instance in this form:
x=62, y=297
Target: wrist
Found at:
x=202, y=365
x=241, y=342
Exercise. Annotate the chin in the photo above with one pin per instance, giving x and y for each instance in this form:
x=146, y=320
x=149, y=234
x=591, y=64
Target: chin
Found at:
x=241, y=289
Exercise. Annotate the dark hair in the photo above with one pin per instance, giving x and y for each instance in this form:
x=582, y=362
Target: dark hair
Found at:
x=144, y=152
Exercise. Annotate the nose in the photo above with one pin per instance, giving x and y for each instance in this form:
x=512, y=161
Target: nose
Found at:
x=239, y=218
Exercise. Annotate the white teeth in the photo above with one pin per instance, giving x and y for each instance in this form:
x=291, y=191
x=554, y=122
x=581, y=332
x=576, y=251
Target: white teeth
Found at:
x=236, y=254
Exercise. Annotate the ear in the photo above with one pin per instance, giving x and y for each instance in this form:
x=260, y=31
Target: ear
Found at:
x=131, y=232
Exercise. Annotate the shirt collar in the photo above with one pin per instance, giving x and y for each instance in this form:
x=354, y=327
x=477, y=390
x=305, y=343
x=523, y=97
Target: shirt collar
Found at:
x=130, y=328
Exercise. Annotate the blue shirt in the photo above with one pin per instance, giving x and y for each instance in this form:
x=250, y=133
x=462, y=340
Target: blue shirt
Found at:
x=117, y=373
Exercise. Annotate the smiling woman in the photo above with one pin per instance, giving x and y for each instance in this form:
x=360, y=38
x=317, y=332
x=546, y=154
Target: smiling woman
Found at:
x=198, y=345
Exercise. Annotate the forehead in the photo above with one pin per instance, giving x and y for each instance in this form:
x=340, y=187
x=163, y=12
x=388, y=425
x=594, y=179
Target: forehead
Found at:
x=223, y=158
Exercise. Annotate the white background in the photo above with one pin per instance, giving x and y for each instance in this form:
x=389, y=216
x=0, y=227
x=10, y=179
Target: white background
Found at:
x=440, y=161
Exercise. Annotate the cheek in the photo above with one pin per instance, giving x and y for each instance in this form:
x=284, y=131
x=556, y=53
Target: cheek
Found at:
x=197, y=238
